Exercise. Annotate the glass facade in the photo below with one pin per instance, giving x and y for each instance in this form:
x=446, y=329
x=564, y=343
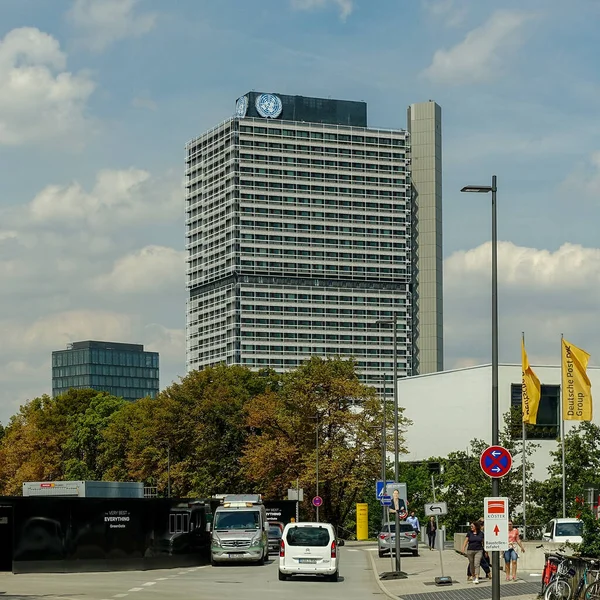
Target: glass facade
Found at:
x=299, y=238
x=123, y=370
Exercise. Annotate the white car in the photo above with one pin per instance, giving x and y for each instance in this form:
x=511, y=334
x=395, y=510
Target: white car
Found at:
x=563, y=531
x=309, y=549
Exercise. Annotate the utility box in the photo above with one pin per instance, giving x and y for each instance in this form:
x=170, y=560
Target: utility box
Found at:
x=84, y=489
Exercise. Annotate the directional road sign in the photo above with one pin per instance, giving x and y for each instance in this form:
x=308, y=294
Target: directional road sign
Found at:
x=317, y=501
x=386, y=500
x=436, y=509
x=379, y=488
x=495, y=461
x=495, y=512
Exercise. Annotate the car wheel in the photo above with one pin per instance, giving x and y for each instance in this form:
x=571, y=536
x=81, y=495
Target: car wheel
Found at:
x=333, y=577
x=282, y=576
x=415, y=553
x=213, y=562
x=381, y=553
x=261, y=560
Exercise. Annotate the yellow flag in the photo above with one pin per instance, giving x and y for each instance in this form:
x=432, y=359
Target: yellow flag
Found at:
x=531, y=389
x=576, y=386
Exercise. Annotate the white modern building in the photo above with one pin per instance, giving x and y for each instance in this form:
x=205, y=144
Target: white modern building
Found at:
x=302, y=230
x=450, y=408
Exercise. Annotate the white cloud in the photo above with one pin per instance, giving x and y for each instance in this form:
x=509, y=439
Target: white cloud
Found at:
x=541, y=292
x=127, y=196
x=39, y=100
x=482, y=54
x=451, y=12
x=148, y=269
x=345, y=6
x=584, y=181
x=103, y=22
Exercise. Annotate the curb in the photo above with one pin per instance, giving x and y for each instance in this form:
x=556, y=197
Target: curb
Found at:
x=377, y=580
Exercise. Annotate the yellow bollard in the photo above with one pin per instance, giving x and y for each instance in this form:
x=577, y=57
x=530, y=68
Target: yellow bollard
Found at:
x=362, y=521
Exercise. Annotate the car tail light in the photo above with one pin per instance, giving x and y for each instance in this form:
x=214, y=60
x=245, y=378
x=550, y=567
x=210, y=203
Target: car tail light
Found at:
x=333, y=550
x=282, y=549
x=413, y=535
x=383, y=536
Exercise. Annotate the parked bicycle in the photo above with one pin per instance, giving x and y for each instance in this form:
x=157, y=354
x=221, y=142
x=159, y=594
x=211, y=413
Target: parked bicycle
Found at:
x=589, y=581
x=558, y=587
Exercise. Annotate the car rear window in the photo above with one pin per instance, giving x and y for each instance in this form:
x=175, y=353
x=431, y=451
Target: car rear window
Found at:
x=404, y=527
x=308, y=536
x=564, y=529
x=274, y=532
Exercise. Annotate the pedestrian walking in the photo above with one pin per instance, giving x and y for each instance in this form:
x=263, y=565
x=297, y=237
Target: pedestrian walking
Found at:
x=510, y=555
x=431, y=530
x=473, y=548
x=414, y=521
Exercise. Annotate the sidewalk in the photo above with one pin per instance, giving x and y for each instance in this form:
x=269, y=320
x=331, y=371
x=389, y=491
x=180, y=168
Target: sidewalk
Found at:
x=423, y=569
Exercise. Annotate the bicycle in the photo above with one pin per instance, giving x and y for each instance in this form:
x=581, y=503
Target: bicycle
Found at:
x=558, y=587
x=550, y=566
x=592, y=587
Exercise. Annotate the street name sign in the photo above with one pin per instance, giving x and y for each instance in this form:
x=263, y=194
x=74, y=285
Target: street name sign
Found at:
x=495, y=514
x=495, y=461
x=436, y=509
x=386, y=500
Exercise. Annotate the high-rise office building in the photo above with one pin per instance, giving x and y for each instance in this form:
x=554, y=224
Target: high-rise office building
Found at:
x=299, y=237
x=123, y=370
x=425, y=127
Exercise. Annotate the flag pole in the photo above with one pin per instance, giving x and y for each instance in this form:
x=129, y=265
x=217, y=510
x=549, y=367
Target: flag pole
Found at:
x=562, y=431
x=524, y=435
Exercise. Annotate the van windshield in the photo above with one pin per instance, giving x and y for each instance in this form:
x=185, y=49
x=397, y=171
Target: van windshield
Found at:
x=248, y=519
x=308, y=536
x=567, y=529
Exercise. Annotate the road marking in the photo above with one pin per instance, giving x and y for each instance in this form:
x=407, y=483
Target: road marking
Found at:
x=149, y=583
x=352, y=550
x=161, y=578
x=182, y=573
x=119, y=595
x=135, y=590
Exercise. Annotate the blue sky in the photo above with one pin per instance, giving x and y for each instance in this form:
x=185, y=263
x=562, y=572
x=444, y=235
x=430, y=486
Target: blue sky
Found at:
x=98, y=97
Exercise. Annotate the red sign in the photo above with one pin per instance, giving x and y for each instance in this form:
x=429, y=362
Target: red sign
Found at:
x=317, y=501
x=46, y=485
x=496, y=507
x=495, y=461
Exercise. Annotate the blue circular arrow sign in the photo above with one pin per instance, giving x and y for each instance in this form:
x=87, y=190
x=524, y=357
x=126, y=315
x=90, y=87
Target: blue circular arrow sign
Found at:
x=495, y=461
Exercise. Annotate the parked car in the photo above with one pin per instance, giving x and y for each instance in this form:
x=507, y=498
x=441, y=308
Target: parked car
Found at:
x=309, y=549
x=563, y=531
x=279, y=524
x=386, y=539
x=274, y=537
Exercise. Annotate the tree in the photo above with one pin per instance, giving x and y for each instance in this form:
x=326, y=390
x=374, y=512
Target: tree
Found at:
x=199, y=424
x=35, y=444
x=582, y=471
x=323, y=399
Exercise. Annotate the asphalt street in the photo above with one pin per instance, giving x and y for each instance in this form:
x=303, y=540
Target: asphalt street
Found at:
x=228, y=582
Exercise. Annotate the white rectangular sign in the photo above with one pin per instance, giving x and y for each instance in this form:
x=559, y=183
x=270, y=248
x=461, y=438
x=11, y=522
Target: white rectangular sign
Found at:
x=436, y=509
x=495, y=511
x=295, y=494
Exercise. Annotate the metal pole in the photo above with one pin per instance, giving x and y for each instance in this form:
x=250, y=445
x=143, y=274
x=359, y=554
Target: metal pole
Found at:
x=562, y=435
x=297, y=499
x=396, y=441
x=383, y=449
x=168, y=471
x=317, y=464
x=524, y=432
x=495, y=423
x=437, y=530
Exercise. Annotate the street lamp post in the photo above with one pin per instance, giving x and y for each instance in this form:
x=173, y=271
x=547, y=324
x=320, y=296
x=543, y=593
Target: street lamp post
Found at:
x=168, y=471
x=495, y=420
x=394, y=322
x=317, y=435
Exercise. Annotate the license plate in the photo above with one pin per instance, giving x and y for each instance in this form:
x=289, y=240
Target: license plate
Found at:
x=307, y=561
x=234, y=555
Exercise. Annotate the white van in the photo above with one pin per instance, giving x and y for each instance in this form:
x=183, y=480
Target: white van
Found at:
x=563, y=531
x=309, y=549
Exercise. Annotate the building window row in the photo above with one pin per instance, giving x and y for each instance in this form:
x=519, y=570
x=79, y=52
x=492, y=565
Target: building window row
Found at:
x=327, y=216
x=104, y=357
x=295, y=362
x=307, y=227
x=310, y=324
x=327, y=298
x=323, y=151
x=374, y=244
x=318, y=176
x=337, y=203
x=320, y=269
x=369, y=140
x=320, y=255
x=324, y=189
x=319, y=163
x=250, y=335
x=315, y=310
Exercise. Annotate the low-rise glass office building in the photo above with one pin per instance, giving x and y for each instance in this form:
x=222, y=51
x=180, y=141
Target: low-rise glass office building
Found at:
x=124, y=370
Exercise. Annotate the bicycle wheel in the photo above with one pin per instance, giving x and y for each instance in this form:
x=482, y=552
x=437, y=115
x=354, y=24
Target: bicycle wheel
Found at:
x=558, y=590
x=592, y=591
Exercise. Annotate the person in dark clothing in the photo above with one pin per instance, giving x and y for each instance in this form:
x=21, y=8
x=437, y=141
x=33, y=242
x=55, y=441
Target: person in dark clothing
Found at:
x=473, y=548
x=485, y=559
x=431, y=532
